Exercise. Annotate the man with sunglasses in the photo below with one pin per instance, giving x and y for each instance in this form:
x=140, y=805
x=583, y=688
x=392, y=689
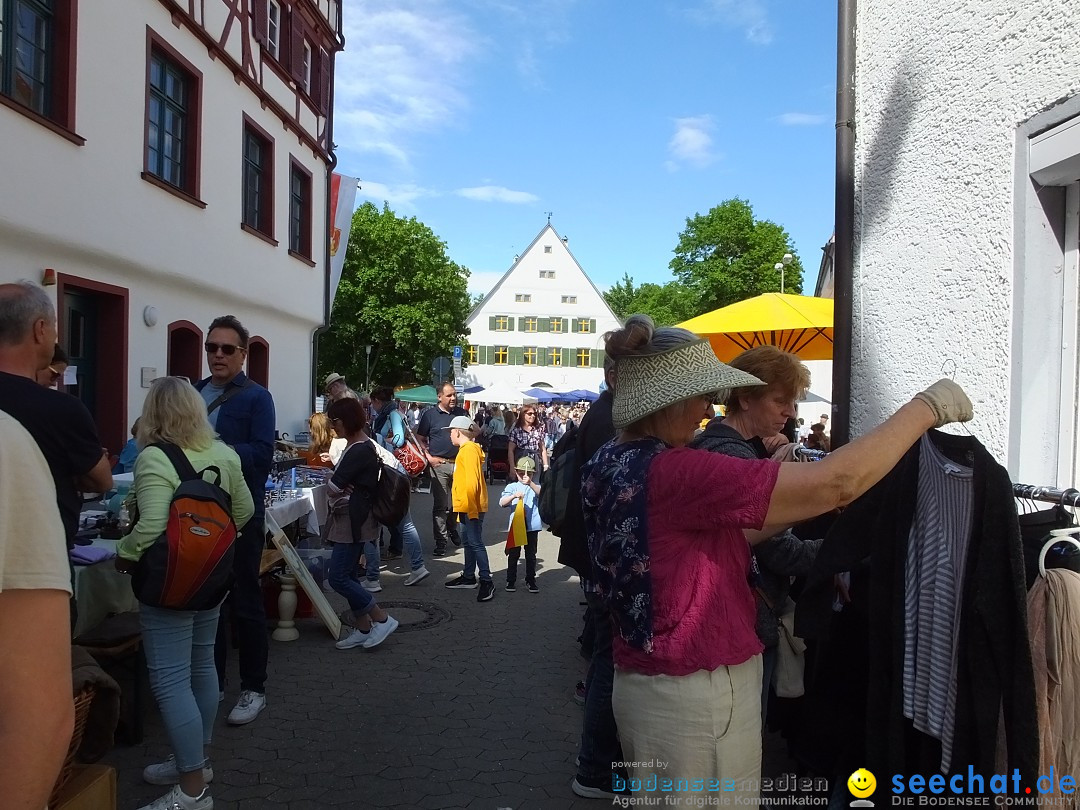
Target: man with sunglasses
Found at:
x=242, y=412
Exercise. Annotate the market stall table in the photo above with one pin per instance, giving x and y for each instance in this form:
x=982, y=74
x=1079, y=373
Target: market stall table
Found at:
x=101, y=590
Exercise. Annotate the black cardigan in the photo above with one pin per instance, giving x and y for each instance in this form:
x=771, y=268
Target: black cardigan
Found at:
x=994, y=671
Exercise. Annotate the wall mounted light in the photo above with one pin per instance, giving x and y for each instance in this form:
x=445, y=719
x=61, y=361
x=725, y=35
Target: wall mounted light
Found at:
x=48, y=278
x=150, y=316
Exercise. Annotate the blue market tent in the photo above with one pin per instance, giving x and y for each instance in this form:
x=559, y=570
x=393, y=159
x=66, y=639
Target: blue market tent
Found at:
x=425, y=395
x=579, y=394
x=542, y=394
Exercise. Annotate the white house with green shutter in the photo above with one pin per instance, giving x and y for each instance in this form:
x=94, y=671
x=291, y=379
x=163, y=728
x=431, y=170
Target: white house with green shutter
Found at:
x=542, y=324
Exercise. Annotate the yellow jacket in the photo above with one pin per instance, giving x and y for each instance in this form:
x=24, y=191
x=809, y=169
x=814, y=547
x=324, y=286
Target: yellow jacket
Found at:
x=469, y=492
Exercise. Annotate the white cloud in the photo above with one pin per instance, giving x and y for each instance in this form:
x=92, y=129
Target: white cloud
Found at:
x=480, y=283
x=403, y=195
x=496, y=194
x=402, y=73
x=750, y=16
x=692, y=143
x=802, y=119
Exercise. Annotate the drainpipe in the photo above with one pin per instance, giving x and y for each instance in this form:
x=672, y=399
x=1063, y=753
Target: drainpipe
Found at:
x=318, y=333
x=843, y=258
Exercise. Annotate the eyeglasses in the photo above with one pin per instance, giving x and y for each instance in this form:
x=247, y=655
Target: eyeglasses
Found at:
x=227, y=349
x=530, y=413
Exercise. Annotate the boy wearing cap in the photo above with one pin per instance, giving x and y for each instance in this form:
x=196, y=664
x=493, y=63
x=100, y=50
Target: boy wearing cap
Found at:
x=527, y=490
x=469, y=499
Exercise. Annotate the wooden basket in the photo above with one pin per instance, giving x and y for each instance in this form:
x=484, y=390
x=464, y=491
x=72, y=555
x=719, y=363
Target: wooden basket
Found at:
x=82, y=711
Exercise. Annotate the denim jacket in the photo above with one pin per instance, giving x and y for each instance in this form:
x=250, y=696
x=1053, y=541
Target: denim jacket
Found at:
x=246, y=423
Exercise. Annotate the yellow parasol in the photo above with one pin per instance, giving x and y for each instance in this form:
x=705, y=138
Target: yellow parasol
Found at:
x=799, y=324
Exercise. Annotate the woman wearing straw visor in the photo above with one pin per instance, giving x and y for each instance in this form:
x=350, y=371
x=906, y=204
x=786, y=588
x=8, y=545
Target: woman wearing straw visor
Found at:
x=668, y=528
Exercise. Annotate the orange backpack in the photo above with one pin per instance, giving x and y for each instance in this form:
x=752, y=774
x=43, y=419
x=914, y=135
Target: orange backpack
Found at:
x=190, y=567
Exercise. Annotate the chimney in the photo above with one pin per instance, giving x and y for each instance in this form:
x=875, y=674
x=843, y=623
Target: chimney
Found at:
x=566, y=240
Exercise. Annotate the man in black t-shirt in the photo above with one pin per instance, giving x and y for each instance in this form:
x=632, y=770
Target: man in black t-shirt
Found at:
x=434, y=436
x=59, y=423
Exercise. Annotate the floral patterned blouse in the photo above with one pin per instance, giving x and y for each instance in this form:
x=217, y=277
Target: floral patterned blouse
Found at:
x=616, y=525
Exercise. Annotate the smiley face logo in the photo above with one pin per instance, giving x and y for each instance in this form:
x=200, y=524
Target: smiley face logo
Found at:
x=862, y=783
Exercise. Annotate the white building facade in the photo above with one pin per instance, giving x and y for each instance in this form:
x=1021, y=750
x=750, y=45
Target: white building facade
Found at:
x=171, y=161
x=967, y=176
x=542, y=324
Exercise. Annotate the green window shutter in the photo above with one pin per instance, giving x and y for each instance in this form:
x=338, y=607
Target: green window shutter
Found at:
x=544, y=324
x=518, y=353
x=521, y=324
x=491, y=323
x=566, y=357
x=592, y=358
x=510, y=323
x=592, y=325
x=482, y=354
x=599, y=353
x=541, y=356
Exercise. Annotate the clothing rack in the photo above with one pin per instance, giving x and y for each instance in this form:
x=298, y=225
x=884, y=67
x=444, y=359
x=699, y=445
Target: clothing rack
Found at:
x=1063, y=497
x=1027, y=492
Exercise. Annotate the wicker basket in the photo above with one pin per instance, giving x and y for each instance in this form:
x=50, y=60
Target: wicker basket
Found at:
x=82, y=711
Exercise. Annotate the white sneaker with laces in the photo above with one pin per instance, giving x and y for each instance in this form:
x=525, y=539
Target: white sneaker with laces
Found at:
x=357, y=638
x=372, y=585
x=379, y=631
x=176, y=799
x=165, y=773
x=417, y=575
x=247, y=708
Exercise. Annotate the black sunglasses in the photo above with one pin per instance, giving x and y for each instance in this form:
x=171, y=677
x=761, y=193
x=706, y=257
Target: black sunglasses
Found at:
x=227, y=349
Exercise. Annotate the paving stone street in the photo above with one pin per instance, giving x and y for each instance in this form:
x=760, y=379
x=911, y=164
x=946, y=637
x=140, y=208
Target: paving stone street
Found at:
x=475, y=711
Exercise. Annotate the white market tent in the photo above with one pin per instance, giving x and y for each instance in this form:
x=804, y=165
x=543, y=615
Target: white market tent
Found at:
x=502, y=395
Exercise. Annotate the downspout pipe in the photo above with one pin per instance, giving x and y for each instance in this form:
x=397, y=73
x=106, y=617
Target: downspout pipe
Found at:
x=329, y=226
x=843, y=258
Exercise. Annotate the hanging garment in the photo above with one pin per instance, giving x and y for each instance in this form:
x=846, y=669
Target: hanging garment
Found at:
x=993, y=672
x=1035, y=528
x=1054, y=624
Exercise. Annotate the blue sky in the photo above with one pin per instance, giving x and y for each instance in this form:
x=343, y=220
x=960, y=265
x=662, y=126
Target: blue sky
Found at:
x=621, y=118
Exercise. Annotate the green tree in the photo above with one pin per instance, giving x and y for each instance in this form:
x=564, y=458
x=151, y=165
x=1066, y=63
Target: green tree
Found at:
x=726, y=256
x=666, y=304
x=399, y=293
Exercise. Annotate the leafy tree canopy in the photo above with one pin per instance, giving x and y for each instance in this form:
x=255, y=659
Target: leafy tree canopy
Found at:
x=726, y=256
x=667, y=305
x=399, y=293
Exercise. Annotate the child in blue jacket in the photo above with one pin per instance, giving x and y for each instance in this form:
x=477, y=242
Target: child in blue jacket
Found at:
x=527, y=490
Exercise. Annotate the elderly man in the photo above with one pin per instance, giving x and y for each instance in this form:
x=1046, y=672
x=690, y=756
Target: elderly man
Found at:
x=242, y=412
x=433, y=433
x=336, y=388
x=60, y=424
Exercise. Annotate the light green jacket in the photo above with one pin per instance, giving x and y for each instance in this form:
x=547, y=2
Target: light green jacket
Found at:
x=156, y=481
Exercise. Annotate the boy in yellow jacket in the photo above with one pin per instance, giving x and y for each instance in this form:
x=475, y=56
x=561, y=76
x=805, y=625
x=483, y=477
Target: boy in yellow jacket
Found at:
x=469, y=499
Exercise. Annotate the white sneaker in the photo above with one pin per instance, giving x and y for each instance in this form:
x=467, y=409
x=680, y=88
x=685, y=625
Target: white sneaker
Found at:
x=379, y=631
x=176, y=799
x=247, y=708
x=372, y=585
x=357, y=638
x=165, y=773
x=417, y=575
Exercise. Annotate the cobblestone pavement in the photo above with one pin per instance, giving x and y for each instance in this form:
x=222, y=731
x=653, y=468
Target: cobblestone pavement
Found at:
x=475, y=711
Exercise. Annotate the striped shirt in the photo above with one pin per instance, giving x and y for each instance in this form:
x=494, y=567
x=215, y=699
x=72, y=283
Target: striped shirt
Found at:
x=934, y=574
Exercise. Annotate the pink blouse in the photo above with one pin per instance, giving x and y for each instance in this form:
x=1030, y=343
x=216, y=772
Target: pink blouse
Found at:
x=703, y=606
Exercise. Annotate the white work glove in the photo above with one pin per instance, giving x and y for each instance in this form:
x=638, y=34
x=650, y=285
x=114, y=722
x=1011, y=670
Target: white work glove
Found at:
x=948, y=402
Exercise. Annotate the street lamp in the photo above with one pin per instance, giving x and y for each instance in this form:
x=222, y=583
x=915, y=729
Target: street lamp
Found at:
x=367, y=369
x=780, y=266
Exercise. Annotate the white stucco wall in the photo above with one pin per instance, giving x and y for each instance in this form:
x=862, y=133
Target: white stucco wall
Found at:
x=85, y=211
x=941, y=91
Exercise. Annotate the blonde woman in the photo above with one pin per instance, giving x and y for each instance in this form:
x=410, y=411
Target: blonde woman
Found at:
x=318, y=452
x=179, y=644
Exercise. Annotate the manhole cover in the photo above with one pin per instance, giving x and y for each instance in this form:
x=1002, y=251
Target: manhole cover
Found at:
x=411, y=615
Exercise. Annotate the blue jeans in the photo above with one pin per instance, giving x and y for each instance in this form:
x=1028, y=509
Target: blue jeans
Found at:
x=475, y=550
x=179, y=647
x=599, y=735
x=411, y=536
x=342, y=576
